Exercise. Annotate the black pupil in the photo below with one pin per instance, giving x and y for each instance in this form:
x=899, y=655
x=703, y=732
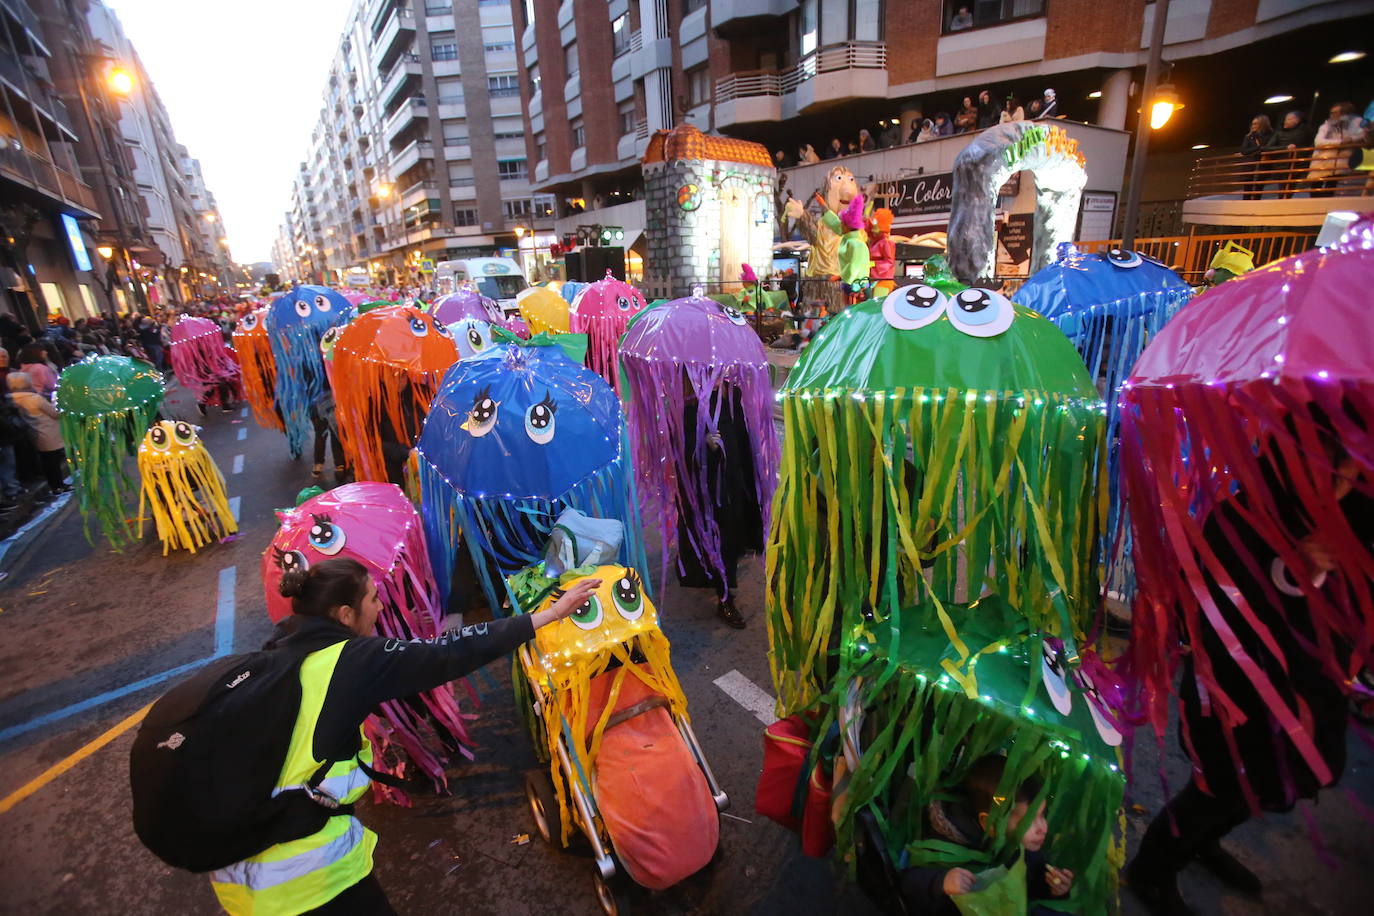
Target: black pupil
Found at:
x=323, y=531
x=925, y=298
x=539, y=416
x=474, y=338
x=159, y=436
x=973, y=303
x=627, y=593
x=417, y=325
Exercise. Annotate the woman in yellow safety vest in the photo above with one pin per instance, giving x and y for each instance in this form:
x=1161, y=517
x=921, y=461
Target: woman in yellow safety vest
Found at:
x=344, y=678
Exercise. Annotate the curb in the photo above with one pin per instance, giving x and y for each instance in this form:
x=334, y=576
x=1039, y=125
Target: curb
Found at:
x=17, y=547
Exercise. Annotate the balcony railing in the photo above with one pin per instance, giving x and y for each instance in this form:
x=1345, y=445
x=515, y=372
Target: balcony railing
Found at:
x=748, y=84
x=850, y=55
x=1279, y=174
x=636, y=41
x=1191, y=255
x=642, y=130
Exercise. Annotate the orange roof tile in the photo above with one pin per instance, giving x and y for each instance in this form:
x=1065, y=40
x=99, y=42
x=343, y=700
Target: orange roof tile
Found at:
x=687, y=142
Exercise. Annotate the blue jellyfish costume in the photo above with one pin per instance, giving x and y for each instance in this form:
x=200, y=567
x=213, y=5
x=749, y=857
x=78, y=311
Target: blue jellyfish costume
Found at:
x=295, y=324
x=515, y=436
x=570, y=289
x=1110, y=304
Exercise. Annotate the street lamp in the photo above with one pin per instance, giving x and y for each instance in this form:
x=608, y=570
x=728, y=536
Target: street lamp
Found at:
x=105, y=251
x=1142, y=131
x=1166, y=102
x=120, y=80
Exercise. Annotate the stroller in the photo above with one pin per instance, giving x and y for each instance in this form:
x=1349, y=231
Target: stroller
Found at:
x=625, y=768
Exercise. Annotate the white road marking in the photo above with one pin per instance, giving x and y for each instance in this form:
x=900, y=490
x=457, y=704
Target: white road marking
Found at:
x=238, y=464
x=244, y=412
x=234, y=506
x=224, y=609
x=243, y=433
x=749, y=695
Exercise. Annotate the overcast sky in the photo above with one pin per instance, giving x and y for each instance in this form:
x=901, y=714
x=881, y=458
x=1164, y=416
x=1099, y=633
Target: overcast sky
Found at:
x=243, y=83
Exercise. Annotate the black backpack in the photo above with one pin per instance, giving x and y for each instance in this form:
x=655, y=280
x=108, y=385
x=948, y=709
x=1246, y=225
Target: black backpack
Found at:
x=208, y=756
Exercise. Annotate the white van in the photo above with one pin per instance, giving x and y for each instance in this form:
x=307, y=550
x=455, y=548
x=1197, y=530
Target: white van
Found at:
x=496, y=278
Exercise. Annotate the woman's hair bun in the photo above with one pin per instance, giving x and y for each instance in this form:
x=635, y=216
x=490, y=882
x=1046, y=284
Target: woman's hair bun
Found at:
x=292, y=582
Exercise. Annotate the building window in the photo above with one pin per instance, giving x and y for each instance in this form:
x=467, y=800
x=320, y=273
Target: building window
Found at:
x=579, y=134
x=450, y=91
x=498, y=38
x=464, y=217
x=541, y=149
x=627, y=118
x=698, y=86
x=438, y=9
x=975, y=14
x=446, y=51
x=455, y=133
x=691, y=6
x=518, y=209
x=503, y=86
x=570, y=58
x=536, y=83
x=512, y=169
x=620, y=34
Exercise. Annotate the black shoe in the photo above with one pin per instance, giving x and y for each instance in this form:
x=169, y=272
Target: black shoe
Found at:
x=1229, y=869
x=730, y=614
x=201, y=408
x=1158, y=891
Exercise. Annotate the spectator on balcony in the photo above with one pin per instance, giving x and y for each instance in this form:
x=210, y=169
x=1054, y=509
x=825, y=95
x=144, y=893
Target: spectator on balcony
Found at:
x=1034, y=110
x=927, y=131
x=1336, y=139
x=1293, y=134
x=891, y=135
x=1012, y=110
x=1050, y=106
x=944, y=127
x=917, y=122
x=781, y=160
x=987, y=110
x=835, y=150
x=866, y=144
x=851, y=148
x=961, y=20
x=1251, y=146
x=806, y=154
x=967, y=118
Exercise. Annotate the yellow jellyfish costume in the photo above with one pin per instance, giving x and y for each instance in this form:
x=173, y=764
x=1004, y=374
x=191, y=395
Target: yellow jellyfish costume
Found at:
x=183, y=490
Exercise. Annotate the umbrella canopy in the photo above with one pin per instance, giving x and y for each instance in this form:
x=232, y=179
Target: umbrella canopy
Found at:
x=472, y=336
x=602, y=310
x=958, y=439
x=376, y=525
x=466, y=302
x=259, y=369
x=513, y=437
x=295, y=324
x=106, y=404
x=387, y=364
x=676, y=357
x=1244, y=438
x=203, y=363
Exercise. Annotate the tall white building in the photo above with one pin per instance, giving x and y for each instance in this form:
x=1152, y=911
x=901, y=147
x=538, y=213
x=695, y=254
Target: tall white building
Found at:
x=419, y=151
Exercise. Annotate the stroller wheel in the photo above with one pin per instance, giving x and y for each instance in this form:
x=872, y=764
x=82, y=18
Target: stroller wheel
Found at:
x=544, y=805
x=612, y=893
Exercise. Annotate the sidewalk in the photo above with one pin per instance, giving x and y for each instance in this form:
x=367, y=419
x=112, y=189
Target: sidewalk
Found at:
x=21, y=527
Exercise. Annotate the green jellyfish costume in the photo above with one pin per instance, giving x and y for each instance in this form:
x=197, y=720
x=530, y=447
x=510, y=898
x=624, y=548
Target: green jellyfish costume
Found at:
x=106, y=405
x=931, y=571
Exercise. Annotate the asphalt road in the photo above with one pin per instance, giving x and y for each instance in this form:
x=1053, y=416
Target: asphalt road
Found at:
x=80, y=624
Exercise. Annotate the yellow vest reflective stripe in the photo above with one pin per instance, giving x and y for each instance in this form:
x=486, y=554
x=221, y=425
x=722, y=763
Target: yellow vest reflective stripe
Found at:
x=305, y=873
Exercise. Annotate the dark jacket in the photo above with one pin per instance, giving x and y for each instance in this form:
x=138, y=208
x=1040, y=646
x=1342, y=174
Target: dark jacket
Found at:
x=989, y=113
x=374, y=669
x=1253, y=143
x=1286, y=136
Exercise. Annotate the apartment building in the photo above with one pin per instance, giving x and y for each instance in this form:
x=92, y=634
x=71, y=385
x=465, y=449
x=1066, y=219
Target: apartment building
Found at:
x=600, y=77
x=420, y=151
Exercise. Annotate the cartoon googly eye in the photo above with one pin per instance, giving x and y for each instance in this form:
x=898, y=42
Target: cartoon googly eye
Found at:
x=1052, y=673
x=249, y=322
x=290, y=560
x=980, y=312
x=183, y=433
x=325, y=536
x=476, y=339
x=441, y=330
x=157, y=435
x=418, y=326
x=539, y=420
x=628, y=593
x=1097, y=708
x=623, y=303
x=913, y=307
x=302, y=308
x=1120, y=257
x=734, y=314
x=482, y=415
x=323, y=304
x=588, y=616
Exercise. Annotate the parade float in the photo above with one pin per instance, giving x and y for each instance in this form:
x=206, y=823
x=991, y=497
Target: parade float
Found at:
x=183, y=489
x=106, y=405
x=295, y=324
x=204, y=364
x=258, y=368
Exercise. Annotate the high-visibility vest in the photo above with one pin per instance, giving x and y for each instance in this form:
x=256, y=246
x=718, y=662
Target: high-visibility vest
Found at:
x=303, y=874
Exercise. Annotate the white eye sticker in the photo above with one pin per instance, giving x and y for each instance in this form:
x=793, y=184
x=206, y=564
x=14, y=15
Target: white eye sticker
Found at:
x=1052, y=673
x=1097, y=708
x=981, y=312
x=734, y=314
x=184, y=433
x=157, y=435
x=323, y=304
x=302, y=308
x=250, y=321
x=628, y=593
x=912, y=307
x=1120, y=257
x=325, y=536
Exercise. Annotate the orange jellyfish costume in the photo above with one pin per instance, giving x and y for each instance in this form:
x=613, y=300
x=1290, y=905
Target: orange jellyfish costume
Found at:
x=254, y=351
x=387, y=367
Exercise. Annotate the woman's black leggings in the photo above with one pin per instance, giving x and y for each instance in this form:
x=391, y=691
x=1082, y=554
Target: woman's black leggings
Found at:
x=53, y=468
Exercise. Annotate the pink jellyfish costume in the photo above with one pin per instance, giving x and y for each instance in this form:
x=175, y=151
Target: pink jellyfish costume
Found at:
x=204, y=364
x=602, y=311
x=376, y=525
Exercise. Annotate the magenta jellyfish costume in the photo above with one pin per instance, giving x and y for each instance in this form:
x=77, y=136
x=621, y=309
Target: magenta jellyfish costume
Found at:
x=467, y=302
x=706, y=451
x=376, y=525
x=204, y=364
x=602, y=311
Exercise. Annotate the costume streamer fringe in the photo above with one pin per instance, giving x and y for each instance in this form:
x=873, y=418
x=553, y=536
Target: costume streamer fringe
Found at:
x=202, y=363
x=184, y=495
x=98, y=445
x=603, y=342
x=259, y=375
x=366, y=392
x=300, y=380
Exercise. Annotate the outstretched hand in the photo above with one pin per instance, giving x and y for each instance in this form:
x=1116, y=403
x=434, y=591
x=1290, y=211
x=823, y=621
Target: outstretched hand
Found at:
x=572, y=599
x=958, y=881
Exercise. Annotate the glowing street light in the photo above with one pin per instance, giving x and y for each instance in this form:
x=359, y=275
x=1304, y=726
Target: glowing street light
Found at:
x=1278, y=99
x=1164, y=105
x=384, y=190
x=1095, y=94
x=120, y=81
x=1346, y=57
x=105, y=251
